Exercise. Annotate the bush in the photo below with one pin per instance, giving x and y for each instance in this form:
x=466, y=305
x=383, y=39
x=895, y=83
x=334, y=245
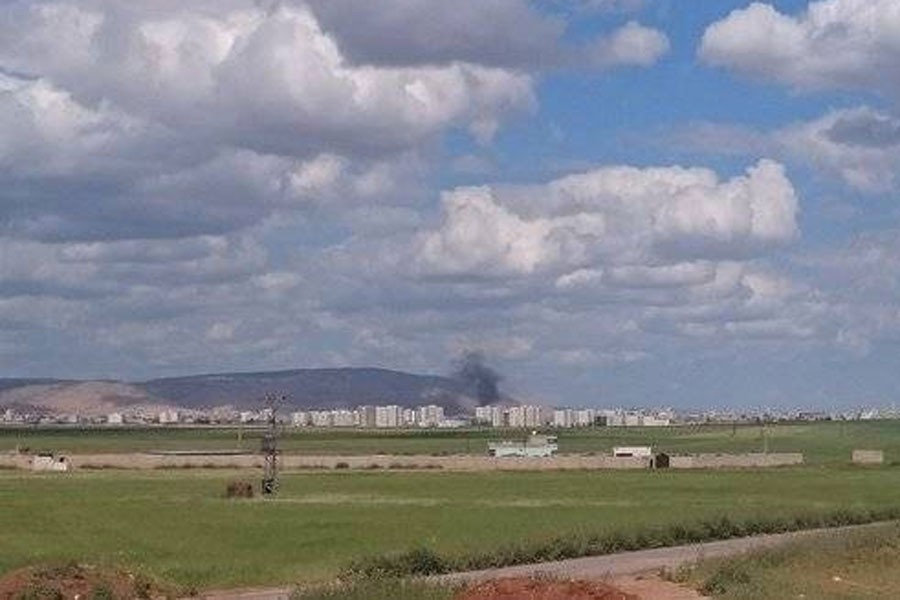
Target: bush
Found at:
x=342, y=465
x=726, y=578
x=239, y=489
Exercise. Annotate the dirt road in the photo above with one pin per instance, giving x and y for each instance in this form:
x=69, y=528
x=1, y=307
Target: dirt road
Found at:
x=618, y=568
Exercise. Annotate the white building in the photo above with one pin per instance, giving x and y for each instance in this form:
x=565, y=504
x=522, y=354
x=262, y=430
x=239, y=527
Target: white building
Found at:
x=585, y=417
x=409, y=417
x=168, y=417
x=366, y=416
x=115, y=418
x=49, y=462
x=300, y=419
x=564, y=418
x=534, y=446
x=430, y=416
x=388, y=416
x=343, y=418
x=483, y=415
x=636, y=451
x=320, y=418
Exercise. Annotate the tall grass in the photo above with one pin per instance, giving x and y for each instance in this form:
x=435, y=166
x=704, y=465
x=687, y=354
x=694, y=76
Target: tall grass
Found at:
x=846, y=565
x=379, y=589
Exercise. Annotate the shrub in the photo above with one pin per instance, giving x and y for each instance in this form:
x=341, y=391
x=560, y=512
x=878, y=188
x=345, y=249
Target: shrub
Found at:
x=239, y=489
x=727, y=577
x=342, y=465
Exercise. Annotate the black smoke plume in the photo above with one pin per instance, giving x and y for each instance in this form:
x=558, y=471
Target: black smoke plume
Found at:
x=480, y=379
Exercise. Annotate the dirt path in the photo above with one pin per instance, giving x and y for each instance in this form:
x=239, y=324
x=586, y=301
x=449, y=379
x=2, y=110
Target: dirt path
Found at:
x=643, y=561
x=624, y=570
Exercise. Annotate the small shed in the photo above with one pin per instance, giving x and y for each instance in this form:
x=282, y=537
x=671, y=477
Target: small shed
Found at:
x=49, y=462
x=633, y=452
x=536, y=446
x=868, y=457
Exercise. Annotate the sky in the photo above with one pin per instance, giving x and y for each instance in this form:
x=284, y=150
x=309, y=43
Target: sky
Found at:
x=618, y=202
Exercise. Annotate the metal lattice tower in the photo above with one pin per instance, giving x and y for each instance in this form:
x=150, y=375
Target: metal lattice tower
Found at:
x=269, y=447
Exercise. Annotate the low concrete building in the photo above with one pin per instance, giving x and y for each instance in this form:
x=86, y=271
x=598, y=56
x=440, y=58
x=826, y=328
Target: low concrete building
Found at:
x=868, y=457
x=534, y=446
x=633, y=451
x=49, y=462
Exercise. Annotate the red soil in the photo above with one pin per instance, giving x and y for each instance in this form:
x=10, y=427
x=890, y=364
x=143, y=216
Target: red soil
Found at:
x=74, y=582
x=522, y=588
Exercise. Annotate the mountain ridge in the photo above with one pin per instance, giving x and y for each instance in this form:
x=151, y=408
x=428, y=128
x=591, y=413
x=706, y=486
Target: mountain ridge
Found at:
x=305, y=388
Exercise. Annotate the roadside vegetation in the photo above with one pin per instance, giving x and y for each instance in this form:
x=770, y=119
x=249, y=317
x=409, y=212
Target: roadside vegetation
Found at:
x=863, y=565
x=423, y=561
x=379, y=589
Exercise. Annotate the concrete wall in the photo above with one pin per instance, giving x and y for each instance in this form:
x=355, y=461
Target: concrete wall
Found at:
x=296, y=461
x=868, y=457
x=735, y=461
x=448, y=463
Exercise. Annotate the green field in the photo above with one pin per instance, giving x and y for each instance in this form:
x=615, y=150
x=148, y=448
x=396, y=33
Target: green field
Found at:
x=821, y=443
x=176, y=525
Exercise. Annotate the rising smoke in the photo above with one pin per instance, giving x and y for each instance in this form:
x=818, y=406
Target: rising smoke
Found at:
x=479, y=378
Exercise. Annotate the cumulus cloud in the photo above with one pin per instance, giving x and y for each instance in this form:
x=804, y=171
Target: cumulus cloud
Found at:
x=844, y=44
x=501, y=33
x=407, y=32
x=272, y=81
x=859, y=146
x=614, y=214
x=632, y=44
x=172, y=120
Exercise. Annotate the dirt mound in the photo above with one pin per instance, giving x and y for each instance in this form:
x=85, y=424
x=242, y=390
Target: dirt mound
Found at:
x=543, y=589
x=76, y=582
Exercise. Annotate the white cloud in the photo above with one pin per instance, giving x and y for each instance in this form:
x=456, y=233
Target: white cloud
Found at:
x=632, y=44
x=847, y=44
x=859, y=146
x=268, y=80
x=613, y=215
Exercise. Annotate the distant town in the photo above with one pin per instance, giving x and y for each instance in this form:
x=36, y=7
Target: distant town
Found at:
x=393, y=416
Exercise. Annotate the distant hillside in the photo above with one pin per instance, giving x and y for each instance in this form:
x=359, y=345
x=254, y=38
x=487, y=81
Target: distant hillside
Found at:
x=87, y=398
x=312, y=388
x=305, y=388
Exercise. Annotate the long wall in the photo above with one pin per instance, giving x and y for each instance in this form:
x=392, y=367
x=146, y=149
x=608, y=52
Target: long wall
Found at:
x=297, y=461
x=735, y=461
x=449, y=463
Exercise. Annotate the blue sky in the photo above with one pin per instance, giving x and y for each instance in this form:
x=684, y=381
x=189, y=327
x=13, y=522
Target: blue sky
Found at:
x=619, y=202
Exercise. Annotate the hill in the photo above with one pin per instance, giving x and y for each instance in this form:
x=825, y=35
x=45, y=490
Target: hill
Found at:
x=305, y=388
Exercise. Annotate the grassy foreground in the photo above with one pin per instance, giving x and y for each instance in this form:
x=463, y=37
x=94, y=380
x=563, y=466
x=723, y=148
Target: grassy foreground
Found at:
x=821, y=443
x=862, y=565
x=177, y=526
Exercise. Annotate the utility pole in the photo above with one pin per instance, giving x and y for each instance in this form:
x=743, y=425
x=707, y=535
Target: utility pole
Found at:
x=269, y=446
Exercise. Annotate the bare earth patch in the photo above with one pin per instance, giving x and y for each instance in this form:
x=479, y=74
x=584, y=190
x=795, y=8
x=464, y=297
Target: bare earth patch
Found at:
x=75, y=582
x=524, y=588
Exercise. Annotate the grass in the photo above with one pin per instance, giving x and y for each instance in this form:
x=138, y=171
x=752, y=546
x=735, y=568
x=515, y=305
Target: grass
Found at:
x=380, y=589
x=846, y=566
x=178, y=526
x=821, y=443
